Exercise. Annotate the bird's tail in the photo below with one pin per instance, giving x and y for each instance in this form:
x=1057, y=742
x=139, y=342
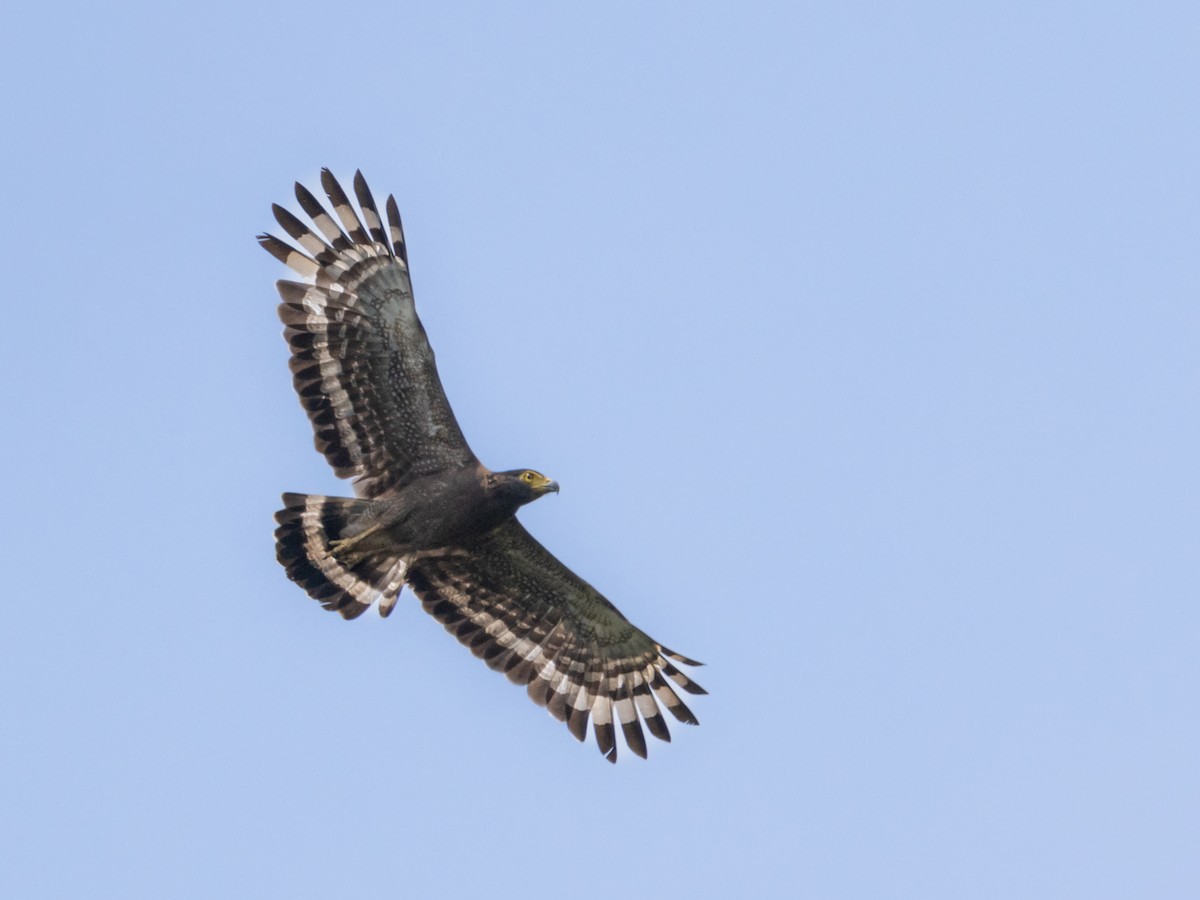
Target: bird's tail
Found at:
x=347, y=582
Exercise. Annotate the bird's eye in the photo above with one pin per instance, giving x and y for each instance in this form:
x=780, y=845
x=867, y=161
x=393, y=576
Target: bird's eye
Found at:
x=528, y=476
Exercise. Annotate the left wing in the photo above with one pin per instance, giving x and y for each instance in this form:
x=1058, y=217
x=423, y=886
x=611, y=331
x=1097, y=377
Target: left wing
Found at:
x=527, y=615
x=361, y=362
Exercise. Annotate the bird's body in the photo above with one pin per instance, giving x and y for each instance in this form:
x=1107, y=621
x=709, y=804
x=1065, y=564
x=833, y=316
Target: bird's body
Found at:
x=438, y=511
x=428, y=513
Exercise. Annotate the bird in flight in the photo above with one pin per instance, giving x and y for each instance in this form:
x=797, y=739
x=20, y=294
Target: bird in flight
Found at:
x=427, y=513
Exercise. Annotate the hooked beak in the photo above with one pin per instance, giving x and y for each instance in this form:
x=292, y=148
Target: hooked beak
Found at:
x=550, y=487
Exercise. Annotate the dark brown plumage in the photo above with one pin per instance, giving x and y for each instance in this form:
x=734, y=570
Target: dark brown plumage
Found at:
x=428, y=513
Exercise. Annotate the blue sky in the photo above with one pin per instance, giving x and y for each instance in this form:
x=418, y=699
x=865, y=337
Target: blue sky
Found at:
x=861, y=337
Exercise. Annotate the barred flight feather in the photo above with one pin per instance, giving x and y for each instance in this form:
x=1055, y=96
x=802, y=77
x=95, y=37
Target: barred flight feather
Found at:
x=647, y=708
x=324, y=222
x=341, y=206
x=602, y=725
x=396, y=230
x=627, y=713
x=370, y=213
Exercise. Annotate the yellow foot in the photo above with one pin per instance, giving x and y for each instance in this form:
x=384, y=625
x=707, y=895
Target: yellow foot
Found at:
x=341, y=548
x=337, y=548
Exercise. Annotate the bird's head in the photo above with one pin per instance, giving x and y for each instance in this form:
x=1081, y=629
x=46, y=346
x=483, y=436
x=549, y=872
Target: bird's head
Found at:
x=524, y=485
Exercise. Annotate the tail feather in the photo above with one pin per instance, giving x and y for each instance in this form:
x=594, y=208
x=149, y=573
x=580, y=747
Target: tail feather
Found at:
x=308, y=524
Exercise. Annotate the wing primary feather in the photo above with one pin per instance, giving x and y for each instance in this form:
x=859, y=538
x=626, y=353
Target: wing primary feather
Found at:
x=682, y=680
x=303, y=235
x=671, y=701
x=370, y=213
x=289, y=256
x=396, y=229
x=627, y=713
x=678, y=657
x=602, y=721
x=343, y=208
x=604, y=714
x=648, y=709
x=314, y=210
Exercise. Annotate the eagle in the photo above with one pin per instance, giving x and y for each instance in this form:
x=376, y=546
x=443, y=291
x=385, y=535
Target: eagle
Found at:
x=426, y=512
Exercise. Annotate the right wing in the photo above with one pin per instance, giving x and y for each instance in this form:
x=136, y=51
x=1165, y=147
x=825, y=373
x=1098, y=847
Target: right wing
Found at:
x=361, y=362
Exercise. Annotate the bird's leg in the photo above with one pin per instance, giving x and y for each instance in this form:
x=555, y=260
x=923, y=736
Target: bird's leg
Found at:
x=342, y=547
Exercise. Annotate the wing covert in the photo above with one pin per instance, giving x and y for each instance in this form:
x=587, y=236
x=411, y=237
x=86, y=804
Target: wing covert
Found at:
x=361, y=361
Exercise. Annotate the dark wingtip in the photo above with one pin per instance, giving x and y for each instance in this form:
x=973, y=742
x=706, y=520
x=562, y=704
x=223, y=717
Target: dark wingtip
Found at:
x=634, y=738
x=606, y=740
x=577, y=722
x=330, y=183
x=657, y=726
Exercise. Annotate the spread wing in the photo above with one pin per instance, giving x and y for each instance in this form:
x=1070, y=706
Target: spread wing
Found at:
x=526, y=614
x=360, y=359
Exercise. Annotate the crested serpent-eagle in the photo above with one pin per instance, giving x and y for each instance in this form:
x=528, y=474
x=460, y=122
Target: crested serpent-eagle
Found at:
x=428, y=514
